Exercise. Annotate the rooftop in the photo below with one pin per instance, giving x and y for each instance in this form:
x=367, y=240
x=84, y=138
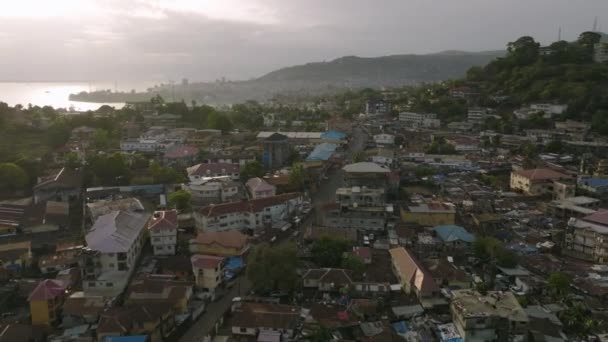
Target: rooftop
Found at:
x=502, y=304
x=181, y=151
x=212, y=168
x=163, y=220
x=205, y=261
x=365, y=167
x=541, y=174
x=263, y=315
x=412, y=271
x=229, y=239
x=432, y=207
x=254, y=205
x=48, y=289
x=116, y=232
x=450, y=233
x=100, y=208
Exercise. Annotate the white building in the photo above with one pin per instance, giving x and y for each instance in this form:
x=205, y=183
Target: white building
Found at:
x=145, y=145
x=253, y=214
x=420, y=120
x=476, y=115
x=206, y=170
x=162, y=229
x=600, y=50
x=259, y=188
x=549, y=108
x=216, y=190
x=384, y=139
x=114, y=244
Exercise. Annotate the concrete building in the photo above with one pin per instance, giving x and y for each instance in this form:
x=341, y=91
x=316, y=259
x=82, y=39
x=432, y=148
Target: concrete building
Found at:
x=412, y=276
x=429, y=214
x=276, y=151
x=355, y=197
x=377, y=108
x=114, y=244
x=496, y=316
x=477, y=116
x=46, y=301
x=230, y=243
x=252, y=214
x=366, y=174
x=537, y=182
x=587, y=237
x=207, y=170
x=384, y=139
x=213, y=190
x=208, y=272
x=145, y=145
x=600, y=50
x=359, y=218
x=577, y=207
x=253, y=319
x=420, y=120
x=259, y=188
x=162, y=229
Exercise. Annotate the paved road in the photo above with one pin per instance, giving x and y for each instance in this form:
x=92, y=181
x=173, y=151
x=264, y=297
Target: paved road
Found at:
x=204, y=325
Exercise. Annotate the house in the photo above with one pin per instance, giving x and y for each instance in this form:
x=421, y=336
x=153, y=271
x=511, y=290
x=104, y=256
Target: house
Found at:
x=41, y=217
x=454, y=237
x=181, y=155
x=223, y=243
x=252, y=214
x=213, y=190
x=544, y=324
x=356, y=196
x=208, y=271
x=446, y=274
x=578, y=206
x=411, y=274
x=64, y=185
x=384, y=139
x=429, y=214
x=377, y=108
x=100, y=208
x=536, y=182
x=600, y=50
x=199, y=171
x=114, y=244
x=251, y=319
x=155, y=320
x=367, y=174
x=162, y=229
x=79, y=309
x=327, y=279
x=355, y=218
x=496, y=316
x=16, y=256
x=259, y=188
x=46, y=301
x=160, y=290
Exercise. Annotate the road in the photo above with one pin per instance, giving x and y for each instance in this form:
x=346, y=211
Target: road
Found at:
x=204, y=325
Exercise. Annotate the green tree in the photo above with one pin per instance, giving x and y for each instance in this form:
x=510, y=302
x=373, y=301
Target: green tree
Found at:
x=59, y=133
x=273, y=268
x=328, y=251
x=523, y=51
x=298, y=177
x=219, y=121
x=355, y=265
x=110, y=169
x=558, y=284
x=251, y=170
x=180, y=200
x=164, y=174
x=359, y=157
x=100, y=139
x=72, y=161
x=12, y=177
x=321, y=334
x=506, y=257
x=140, y=161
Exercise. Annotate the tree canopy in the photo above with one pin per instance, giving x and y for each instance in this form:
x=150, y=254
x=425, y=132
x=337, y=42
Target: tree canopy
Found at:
x=180, y=200
x=12, y=177
x=273, y=267
x=328, y=251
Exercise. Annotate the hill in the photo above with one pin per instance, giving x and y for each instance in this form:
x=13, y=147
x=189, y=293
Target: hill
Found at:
x=317, y=78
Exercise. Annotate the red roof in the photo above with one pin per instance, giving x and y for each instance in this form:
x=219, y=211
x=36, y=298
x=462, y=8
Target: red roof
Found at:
x=541, y=174
x=229, y=238
x=600, y=217
x=363, y=252
x=254, y=206
x=205, y=261
x=183, y=151
x=48, y=289
x=163, y=220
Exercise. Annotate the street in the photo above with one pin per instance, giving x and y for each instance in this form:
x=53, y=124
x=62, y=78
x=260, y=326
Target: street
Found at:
x=204, y=325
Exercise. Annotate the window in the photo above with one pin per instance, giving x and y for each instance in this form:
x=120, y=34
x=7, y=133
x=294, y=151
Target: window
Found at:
x=92, y=284
x=243, y=330
x=109, y=284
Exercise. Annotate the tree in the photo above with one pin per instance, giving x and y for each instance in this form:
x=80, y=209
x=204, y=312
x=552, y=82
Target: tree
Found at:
x=559, y=284
x=251, y=170
x=359, y=157
x=273, y=268
x=523, y=51
x=328, y=251
x=355, y=265
x=164, y=174
x=298, y=178
x=59, y=133
x=321, y=334
x=12, y=177
x=100, y=139
x=219, y=121
x=180, y=200
x=110, y=169
x=506, y=257
x=72, y=161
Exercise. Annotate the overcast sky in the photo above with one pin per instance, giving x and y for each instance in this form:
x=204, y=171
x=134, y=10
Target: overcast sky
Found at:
x=238, y=39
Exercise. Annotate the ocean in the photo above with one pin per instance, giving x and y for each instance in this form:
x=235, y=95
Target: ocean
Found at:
x=56, y=94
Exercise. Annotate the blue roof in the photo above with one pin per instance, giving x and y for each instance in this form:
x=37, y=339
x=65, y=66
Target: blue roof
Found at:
x=449, y=233
x=134, y=338
x=233, y=263
x=322, y=152
x=333, y=135
x=400, y=327
x=596, y=182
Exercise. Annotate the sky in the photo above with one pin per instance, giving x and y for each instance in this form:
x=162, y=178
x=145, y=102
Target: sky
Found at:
x=205, y=40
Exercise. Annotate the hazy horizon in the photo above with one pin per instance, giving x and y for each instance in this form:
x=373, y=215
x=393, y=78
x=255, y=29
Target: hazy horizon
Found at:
x=204, y=40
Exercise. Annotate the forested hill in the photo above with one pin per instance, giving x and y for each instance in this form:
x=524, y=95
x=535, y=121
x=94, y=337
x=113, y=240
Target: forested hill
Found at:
x=563, y=72
x=384, y=71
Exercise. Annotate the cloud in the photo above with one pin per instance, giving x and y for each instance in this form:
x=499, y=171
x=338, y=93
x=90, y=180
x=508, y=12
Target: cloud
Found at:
x=208, y=39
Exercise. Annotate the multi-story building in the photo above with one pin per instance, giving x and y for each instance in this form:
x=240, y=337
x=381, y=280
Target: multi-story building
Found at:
x=411, y=274
x=252, y=214
x=360, y=218
x=259, y=188
x=210, y=190
x=276, y=151
x=162, y=229
x=145, y=145
x=587, y=237
x=46, y=301
x=600, y=50
x=208, y=272
x=420, y=120
x=377, y=108
x=578, y=206
x=477, y=115
x=277, y=320
x=356, y=197
x=206, y=170
x=429, y=214
x=366, y=174
x=384, y=139
x=114, y=244
x=536, y=182
x=496, y=316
